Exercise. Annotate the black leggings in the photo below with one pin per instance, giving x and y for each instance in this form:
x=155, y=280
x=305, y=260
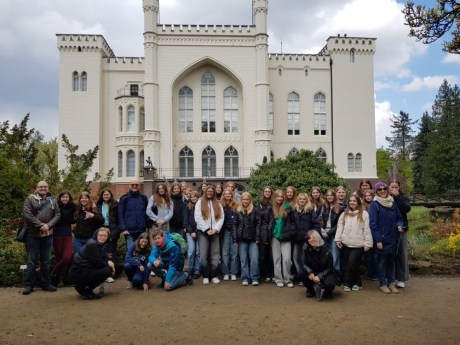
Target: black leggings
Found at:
x=351, y=257
x=90, y=279
x=328, y=282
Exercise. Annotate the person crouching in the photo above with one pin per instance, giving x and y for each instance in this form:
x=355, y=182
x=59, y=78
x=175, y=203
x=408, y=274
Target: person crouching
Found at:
x=318, y=264
x=90, y=267
x=167, y=262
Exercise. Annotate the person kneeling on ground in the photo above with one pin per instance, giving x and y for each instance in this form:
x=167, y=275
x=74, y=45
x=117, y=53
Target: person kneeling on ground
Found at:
x=167, y=262
x=318, y=264
x=90, y=266
x=136, y=261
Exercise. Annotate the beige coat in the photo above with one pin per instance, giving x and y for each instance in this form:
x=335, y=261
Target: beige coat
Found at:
x=353, y=233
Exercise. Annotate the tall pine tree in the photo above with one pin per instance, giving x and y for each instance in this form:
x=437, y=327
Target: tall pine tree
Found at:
x=421, y=142
x=401, y=139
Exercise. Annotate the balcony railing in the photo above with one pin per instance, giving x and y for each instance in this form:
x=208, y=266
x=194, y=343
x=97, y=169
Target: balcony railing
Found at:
x=127, y=91
x=220, y=173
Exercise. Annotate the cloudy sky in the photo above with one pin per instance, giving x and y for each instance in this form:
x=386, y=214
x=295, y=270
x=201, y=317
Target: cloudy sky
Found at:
x=407, y=74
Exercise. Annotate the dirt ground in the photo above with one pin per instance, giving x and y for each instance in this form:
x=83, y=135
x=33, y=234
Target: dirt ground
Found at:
x=427, y=311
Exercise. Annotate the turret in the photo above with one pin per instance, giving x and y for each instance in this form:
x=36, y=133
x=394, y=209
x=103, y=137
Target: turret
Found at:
x=151, y=8
x=259, y=13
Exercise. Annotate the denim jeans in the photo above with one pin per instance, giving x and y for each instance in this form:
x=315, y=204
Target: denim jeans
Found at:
x=249, y=269
x=78, y=243
x=131, y=238
x=177, y=280
x=335, y=251
x=229, y=254
x=209, y=254
x=386, y=268
x=193, y=255
x=135, y=276
x=38, y=248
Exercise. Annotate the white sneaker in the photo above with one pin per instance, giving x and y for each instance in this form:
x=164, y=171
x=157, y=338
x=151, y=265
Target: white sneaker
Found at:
x=280, y=284
x=215, y=280
x=130, y=285
x=268, y=280
x=110, y=280
x=290, y=285
x=152, y=274
x=401, y=285
x=205, y=281
x=244, y=283
x=233, y=277
x=226, y=277
x=255, y=283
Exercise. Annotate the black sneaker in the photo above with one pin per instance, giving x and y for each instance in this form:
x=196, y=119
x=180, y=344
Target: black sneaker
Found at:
x=49, y=288
x=27, y=290
x=310, y=294
x=196, y=276
x=189, y=280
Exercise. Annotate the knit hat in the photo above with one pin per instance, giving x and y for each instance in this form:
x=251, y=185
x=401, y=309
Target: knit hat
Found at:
x=378, y=185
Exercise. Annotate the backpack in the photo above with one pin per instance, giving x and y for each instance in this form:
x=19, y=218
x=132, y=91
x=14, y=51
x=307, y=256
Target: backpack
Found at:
x=179, y=240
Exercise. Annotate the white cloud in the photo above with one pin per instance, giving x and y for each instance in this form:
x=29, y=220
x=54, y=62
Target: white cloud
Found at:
x=451, y=58
x=382, y=85
x=383, y=114
x=427, y=107
x=431, y=82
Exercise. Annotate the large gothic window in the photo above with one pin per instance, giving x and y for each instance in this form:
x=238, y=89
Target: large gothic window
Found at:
x=130, y=163
x=231, y=166
x=230, y=110
x=131, y=119
x=208, y=162
x=186, y=162
x=319, y=116
x=208, y=103
x=293, y=114
x=185, y=110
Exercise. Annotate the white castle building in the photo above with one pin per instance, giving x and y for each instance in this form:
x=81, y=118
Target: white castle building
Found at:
x=210, y=101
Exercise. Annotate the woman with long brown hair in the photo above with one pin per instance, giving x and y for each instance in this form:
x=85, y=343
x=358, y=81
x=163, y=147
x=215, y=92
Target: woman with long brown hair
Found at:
x=160, y=208
x=209, y=217
x=229, y=249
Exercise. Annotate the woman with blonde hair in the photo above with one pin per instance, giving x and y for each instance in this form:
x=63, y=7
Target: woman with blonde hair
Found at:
x=87, y=220
x=246, y=234
x=281, y=236
x=209, y=217
x=229, y=249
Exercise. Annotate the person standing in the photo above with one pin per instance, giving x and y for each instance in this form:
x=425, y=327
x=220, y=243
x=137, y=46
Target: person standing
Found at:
x=87, y=220
x=176, y=223
x=131, y=214
x=160, y=208
x=264, y=207
x=41, y=214
x=229, y=249
x=402, y=256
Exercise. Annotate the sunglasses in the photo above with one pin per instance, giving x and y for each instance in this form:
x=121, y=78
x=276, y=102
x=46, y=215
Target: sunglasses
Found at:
x=383, y=188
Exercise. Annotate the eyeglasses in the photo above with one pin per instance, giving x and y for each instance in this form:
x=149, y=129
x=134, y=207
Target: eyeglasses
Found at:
x=382, y=188
x=102, y=235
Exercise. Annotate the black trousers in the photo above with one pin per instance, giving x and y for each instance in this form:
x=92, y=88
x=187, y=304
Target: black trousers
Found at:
x=351, y=258
x=328, y=282
x=90, y=279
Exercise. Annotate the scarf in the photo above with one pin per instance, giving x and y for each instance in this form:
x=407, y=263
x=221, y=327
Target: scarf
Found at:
x=385, y=202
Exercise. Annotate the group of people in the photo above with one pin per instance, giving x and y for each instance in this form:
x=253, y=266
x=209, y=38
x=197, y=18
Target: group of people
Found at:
x=310, y=239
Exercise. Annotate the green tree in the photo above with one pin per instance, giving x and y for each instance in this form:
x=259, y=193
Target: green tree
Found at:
x=302, y=170
x=18, y=170
x=421, y=143
x=440, y=165
x=75, y=175
x=401, y=139
x=430, y=24
x=384, y=163
x=47, y=162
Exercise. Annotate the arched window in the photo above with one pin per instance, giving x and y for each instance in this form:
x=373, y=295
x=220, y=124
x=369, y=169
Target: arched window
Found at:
x=208, y=103
x=306, y=72
x=83, y=81
x=272, y=156
x=120, y=164
x=319, y=116
x=352, y=55
x=293, y=114
x=186, y=162
x=130, y=163
x=141, y=119
x=141, y=161
x=208, y=162
x=185, y=110
x=280, y=72
x=120, y=118
x=270, y=113
x=293, y=151
x=131, y=119
x=231, y=167
x=230, y=110
x=321, y=155
x=358, y=162
x=75, y=81
x=351, y=162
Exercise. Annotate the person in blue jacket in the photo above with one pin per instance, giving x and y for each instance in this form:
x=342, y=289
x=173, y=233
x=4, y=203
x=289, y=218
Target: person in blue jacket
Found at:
x=131, y=213
x=136, y=260
x=166, y=256
x=386, y=225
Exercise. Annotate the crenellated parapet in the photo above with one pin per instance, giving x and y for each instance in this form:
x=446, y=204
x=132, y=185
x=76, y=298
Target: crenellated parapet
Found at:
x=206, y=41
x=205, y=29
x=84, y=43
x=298, y=61
x=344, y=44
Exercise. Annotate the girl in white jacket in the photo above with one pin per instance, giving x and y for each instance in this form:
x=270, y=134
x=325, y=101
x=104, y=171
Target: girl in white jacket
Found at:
x=209, y=217
x=353, y=237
